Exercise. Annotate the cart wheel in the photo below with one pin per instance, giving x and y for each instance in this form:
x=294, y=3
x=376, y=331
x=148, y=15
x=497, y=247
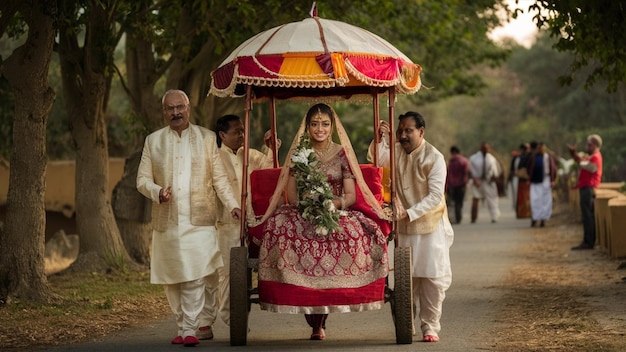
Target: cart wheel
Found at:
x=238, y=296
x=403, y=296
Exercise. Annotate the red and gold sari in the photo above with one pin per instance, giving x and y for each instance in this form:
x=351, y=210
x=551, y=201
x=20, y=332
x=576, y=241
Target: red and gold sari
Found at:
x=345, y=271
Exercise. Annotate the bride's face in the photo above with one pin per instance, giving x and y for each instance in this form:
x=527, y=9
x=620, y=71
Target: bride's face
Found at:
x=320, y=127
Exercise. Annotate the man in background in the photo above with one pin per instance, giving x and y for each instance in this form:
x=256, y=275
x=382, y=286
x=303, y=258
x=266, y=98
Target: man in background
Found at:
x=542, y=174
x=230, y=138
x=456, y=182
x=520, y=185
x=484, y=170
x=589, y=178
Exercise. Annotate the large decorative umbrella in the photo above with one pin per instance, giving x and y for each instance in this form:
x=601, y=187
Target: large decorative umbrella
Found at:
x=315, y=57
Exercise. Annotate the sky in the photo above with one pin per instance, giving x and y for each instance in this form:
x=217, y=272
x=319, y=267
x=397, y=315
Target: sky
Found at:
x=522, y=29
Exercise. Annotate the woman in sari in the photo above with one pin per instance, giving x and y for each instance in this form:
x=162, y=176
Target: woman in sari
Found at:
x=311, y=266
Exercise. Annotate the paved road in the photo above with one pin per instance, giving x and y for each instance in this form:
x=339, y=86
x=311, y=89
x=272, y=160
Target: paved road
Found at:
x=482, y=255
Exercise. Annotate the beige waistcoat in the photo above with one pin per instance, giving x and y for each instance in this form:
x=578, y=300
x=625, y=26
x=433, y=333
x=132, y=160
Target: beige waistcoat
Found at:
x=412, y=178
x=156, y=172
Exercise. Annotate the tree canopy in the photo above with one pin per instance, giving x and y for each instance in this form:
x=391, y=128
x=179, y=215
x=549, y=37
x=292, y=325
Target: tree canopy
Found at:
x=594, y=32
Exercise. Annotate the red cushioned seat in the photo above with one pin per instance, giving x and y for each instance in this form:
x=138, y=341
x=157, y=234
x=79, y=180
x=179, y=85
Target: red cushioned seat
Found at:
x=373, y=176
x=263, y=184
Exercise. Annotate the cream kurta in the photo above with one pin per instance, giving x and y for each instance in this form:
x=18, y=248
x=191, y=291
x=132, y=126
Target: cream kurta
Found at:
x=186, y=249
x=233, y=165
x=229, y=228
x=488, y=188
x=431, y=256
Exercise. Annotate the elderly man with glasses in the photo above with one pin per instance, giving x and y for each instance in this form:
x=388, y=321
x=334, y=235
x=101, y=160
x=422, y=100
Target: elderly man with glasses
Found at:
x=182, y=173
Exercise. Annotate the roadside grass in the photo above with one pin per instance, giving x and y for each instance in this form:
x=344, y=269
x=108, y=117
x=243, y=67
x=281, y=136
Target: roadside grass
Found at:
x=92, y=305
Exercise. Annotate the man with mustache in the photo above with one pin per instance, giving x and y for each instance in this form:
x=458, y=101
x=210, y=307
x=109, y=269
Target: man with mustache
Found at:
x=484, y=169
x=421, y=212
x=230, y=138
x=182, y=173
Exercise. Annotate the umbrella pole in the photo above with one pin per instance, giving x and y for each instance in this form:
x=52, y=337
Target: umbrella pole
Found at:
x=376, y=125
x=244, y=178
x=273, y=127
x=392, y=161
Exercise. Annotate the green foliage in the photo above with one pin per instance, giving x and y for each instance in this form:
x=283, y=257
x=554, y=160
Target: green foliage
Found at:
x=569, y=113
x=594, y=33
x=577, y=106
x=115, y=261
x=59, y=142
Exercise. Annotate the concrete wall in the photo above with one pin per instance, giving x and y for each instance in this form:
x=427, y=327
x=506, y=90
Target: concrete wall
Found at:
x=60, y=188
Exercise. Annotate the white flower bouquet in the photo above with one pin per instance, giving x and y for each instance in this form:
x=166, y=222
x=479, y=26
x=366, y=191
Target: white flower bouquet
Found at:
x=315, y=194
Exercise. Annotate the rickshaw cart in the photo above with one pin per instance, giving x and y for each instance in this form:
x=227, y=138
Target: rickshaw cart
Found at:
x=313, y=59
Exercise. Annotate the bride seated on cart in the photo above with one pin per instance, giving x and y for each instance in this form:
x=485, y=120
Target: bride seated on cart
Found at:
x=318, y=254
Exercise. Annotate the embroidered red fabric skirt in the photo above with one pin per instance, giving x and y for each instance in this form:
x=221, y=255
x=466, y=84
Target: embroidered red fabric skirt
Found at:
x=301, y=272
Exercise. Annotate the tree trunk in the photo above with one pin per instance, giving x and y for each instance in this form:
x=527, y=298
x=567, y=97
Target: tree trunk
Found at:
x=86, y=76
x=133, y=212
x=23, y=238
x=192, y=74
x=142, y=74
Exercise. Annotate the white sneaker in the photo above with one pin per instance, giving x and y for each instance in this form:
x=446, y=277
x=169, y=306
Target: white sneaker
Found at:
x=205, y=333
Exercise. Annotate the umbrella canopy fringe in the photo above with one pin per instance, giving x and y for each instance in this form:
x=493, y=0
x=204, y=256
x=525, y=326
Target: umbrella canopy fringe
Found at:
x=225, y=92
x=292, y=82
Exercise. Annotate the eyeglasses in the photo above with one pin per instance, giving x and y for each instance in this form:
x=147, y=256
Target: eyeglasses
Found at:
x=175, y=108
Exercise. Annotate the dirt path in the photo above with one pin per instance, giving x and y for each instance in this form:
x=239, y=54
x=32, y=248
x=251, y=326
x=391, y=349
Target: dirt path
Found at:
x=563, y=300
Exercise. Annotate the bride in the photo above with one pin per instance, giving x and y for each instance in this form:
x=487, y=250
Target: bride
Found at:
x=313, y=267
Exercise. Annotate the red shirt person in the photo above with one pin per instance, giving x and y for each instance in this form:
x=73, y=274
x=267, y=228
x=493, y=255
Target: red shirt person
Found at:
x=589, y=178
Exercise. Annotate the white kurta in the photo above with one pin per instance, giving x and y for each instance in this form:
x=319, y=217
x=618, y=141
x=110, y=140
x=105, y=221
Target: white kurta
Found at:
x=228, y=228
x=488, y=189
x=431, y=254
x=184, y=252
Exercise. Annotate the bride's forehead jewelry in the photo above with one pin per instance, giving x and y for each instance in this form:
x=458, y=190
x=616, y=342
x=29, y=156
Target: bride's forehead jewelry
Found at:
x=319, y=116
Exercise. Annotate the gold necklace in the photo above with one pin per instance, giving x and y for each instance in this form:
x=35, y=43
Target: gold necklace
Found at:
x=320, y=153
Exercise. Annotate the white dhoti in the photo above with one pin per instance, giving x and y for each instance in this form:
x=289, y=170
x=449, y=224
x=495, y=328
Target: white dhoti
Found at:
x=514, y=188
x=431, y=273
x=541, y=200
x=428, y=295
x=489, y=192
x=228, y=238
